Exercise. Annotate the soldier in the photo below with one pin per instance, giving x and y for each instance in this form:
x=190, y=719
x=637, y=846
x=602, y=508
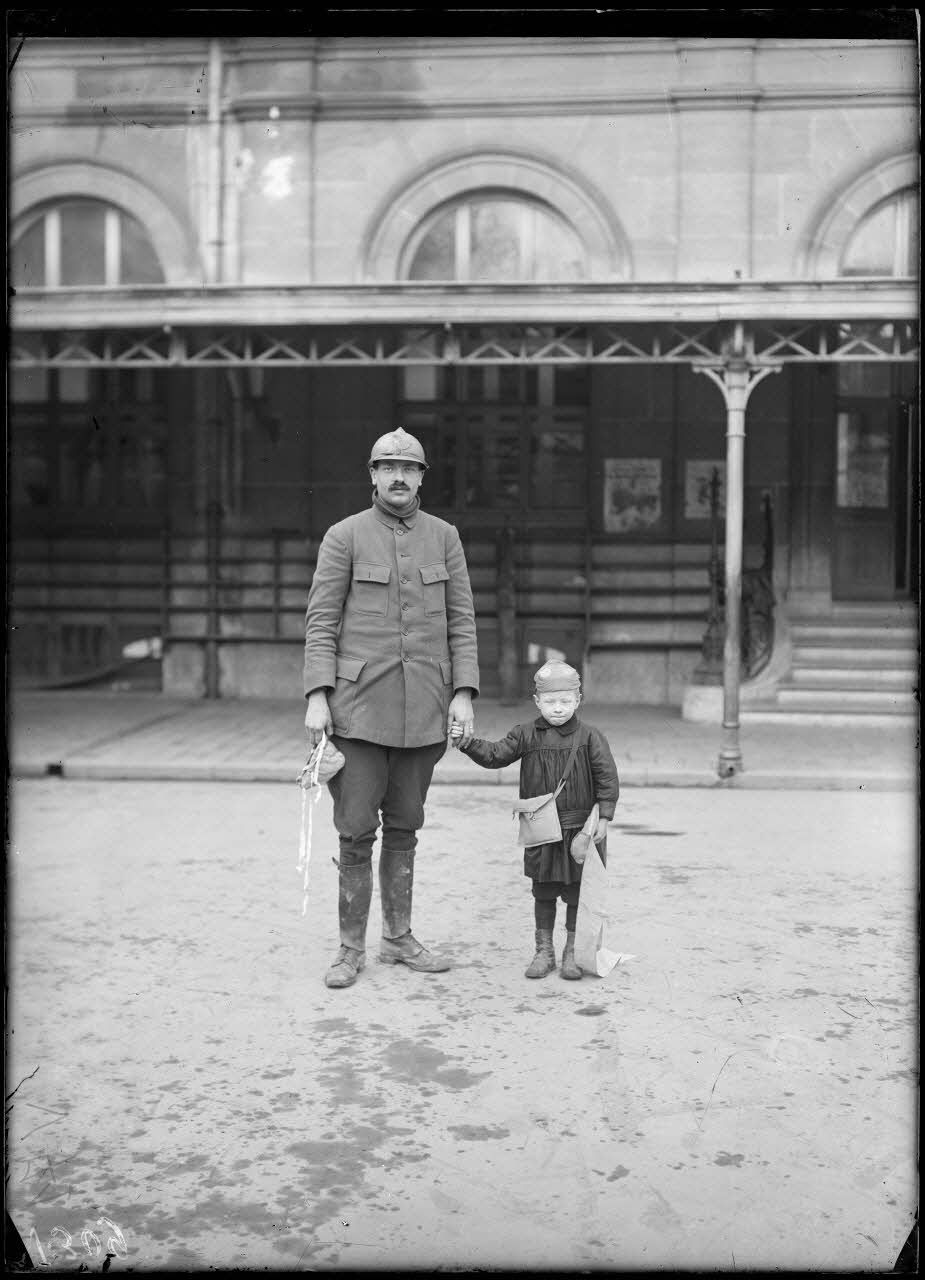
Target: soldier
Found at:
x=390, y=666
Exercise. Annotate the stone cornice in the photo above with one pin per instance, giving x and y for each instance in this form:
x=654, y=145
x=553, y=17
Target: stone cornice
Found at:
x=115, y=111
x=126, y=110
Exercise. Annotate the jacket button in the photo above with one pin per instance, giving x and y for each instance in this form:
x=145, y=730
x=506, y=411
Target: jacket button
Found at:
x=405, y=631
x=399, y=532
x=404, y=579
x=406, y=605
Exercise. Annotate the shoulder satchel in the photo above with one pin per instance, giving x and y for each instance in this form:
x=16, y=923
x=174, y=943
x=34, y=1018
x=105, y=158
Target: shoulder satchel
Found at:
x=538, y=817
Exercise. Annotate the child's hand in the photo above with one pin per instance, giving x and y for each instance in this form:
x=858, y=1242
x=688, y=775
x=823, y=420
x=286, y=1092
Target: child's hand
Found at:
x=456, y=734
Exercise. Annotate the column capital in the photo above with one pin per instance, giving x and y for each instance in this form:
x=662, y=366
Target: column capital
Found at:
x=736, y=378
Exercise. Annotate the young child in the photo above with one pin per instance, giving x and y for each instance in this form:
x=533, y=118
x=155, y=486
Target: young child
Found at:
x=543, y=749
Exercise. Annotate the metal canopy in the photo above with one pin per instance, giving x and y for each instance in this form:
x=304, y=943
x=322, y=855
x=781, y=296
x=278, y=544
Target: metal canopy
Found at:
x=221, y=307
x=191, y=347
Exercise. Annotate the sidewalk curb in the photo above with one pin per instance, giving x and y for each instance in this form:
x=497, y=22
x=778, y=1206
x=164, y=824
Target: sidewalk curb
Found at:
x=756, y=780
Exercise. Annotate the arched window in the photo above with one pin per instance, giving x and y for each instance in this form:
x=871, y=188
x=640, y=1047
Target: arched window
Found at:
x=886, y=241
x=495, y=236
x=81, y=242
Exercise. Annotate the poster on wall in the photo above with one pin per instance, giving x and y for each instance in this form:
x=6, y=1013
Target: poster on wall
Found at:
x=632, y=494
x=698, y=474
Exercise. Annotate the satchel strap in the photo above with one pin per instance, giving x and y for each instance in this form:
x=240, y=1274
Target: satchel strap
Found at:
x=568, y=766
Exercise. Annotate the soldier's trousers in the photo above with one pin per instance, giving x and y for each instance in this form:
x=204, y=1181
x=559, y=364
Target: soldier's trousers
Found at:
x=387, y=781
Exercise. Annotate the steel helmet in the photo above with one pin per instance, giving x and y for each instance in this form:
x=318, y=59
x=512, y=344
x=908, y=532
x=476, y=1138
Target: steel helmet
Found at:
x=397, y=446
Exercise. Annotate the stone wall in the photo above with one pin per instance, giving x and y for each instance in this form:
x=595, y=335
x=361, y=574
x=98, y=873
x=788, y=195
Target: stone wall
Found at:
x=700, y=160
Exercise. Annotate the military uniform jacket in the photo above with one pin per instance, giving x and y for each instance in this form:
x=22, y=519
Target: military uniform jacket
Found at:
x=390, y=627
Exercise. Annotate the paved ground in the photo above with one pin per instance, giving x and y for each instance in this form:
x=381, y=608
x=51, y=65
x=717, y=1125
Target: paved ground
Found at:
x=741, y=1094
x=125, y=735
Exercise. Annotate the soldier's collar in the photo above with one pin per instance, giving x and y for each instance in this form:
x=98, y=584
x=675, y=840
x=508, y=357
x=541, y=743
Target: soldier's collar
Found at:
x=392, y=518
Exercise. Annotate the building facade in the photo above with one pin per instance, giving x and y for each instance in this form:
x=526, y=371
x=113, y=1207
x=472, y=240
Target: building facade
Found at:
x=649, y=303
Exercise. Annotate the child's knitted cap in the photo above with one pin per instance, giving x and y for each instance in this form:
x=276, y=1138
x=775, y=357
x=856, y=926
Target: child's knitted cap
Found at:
x=555, y=676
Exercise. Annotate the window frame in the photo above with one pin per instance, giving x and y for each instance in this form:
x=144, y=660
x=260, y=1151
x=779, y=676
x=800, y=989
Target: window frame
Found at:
x=530, y=209
x=49, y=215
x=904, y=204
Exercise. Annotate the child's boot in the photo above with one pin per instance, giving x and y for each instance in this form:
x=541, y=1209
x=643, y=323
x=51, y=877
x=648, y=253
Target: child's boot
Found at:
x=545, y=959
x=569, y=968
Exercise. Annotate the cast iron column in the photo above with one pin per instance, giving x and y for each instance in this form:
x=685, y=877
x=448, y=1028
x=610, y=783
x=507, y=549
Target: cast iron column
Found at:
x=736, y=375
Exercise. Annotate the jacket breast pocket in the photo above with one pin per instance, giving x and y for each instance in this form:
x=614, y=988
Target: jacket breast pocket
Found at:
x=371, y=587
x=434, y=578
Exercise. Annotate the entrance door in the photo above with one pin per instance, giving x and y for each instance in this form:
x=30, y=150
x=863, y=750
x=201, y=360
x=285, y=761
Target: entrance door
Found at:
x=870, y=552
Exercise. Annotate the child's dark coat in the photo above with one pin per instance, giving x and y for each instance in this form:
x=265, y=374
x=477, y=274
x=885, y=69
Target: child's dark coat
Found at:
x=543, y=751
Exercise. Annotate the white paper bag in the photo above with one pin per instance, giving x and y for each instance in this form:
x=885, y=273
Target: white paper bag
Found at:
x=583, y=840
x=593, y=918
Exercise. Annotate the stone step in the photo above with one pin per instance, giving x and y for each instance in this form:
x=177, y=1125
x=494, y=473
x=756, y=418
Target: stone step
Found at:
x=842, y=699
x=816, y=656
x=834, y=719
x=885, y=678
x=842, y=636
x=857, y=611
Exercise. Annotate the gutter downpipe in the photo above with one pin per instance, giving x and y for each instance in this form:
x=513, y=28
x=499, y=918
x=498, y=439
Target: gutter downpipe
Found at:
x=214, y=171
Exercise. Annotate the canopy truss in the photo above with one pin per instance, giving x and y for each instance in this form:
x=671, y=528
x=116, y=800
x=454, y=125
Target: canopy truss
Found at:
x=767, y=344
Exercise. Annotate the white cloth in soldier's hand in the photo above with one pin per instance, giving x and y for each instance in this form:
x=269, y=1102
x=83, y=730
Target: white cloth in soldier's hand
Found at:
x=331, y=762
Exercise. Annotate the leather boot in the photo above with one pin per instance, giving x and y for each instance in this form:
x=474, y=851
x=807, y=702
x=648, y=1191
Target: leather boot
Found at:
x=545, y=959
x=399, y=946
x=569, y=968
x=354, y=896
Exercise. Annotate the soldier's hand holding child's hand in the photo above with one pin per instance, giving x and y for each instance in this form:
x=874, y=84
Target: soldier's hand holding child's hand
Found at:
x=460, y=720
